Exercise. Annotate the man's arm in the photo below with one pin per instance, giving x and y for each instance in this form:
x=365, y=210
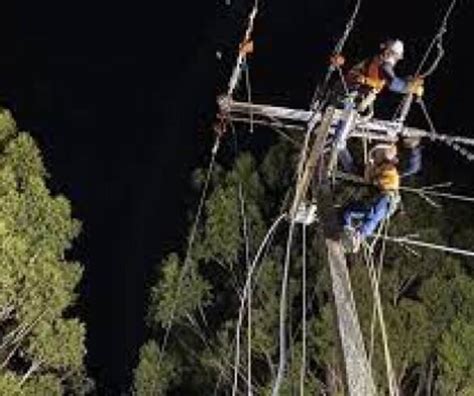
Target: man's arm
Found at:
x=413, y=163
x=394, y=83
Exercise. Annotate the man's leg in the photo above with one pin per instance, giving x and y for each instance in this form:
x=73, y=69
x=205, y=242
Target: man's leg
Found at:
x=341, y=134
x=378, y=212
x=346, y=160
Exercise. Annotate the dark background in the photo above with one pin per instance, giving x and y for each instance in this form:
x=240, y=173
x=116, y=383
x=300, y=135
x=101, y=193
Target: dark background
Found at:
x=120, y=99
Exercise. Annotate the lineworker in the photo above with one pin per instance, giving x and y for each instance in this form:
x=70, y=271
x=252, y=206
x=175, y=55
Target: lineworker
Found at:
x=364, y=82
x=382, y=171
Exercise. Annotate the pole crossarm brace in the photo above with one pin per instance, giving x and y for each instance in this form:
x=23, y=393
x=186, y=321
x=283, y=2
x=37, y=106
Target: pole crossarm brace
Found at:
x=284, y=117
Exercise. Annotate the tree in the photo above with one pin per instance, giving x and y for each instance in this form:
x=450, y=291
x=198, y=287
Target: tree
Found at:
x=152, y=376
x=42, y=344
x=427, y=298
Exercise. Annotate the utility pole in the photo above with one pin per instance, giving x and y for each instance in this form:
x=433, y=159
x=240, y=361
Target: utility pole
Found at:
x=320, y=125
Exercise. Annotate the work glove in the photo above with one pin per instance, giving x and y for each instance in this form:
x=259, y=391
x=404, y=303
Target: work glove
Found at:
x=371, y=82
x=416, y=87
x=337, y=60
x=246, y=47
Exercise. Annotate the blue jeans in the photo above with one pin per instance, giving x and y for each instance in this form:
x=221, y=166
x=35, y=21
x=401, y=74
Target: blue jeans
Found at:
x=370, y=216
x=341, y=134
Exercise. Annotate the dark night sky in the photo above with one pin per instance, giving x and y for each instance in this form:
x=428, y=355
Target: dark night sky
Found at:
x=118, y=98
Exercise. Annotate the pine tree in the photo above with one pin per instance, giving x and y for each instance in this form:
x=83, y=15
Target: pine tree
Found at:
x=42, y=343
x=427, y=298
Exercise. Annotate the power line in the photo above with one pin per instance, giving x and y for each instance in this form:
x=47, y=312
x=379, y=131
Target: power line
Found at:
x=303, y=310
x=187, y=259
x=245, y=292
x=429, y=245
x=419, y=191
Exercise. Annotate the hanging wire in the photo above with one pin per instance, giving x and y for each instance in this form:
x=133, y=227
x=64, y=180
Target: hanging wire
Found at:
x=242, y=56
x=187, y=259
x=424, y=109
x=284, y=282
x=438, y=41
x=247, y=246
x=404, y=108
x=375, y=277
x=320, y=90
x=249, y=94
x=303, y=312
x=324, y=127
x=247, y=261
x=343, y=80
x=283, y=308
x=448, y=140
x=430, y=245
x=393, y=389
x=245, y=292
x=237, y=71
x=428, y=191
x=423, y=191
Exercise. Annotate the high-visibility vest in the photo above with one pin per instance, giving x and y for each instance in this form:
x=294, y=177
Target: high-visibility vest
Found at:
x=367, y=73
x=386, y=177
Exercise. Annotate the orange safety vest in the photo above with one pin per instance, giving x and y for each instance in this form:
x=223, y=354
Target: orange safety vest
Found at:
x=367, y=73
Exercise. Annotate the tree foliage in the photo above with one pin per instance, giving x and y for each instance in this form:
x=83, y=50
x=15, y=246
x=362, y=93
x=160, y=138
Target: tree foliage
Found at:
x=427, y=297
x=41, y=345
x=153, y=374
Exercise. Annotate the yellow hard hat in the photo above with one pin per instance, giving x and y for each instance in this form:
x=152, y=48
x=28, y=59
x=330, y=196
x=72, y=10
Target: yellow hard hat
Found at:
x=388, y=178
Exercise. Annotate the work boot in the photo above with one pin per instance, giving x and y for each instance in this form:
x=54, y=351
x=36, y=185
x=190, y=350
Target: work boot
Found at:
x=351, y=240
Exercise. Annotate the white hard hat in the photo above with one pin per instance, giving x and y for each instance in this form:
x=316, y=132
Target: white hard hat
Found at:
x=394, y=46
x=382, y=152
